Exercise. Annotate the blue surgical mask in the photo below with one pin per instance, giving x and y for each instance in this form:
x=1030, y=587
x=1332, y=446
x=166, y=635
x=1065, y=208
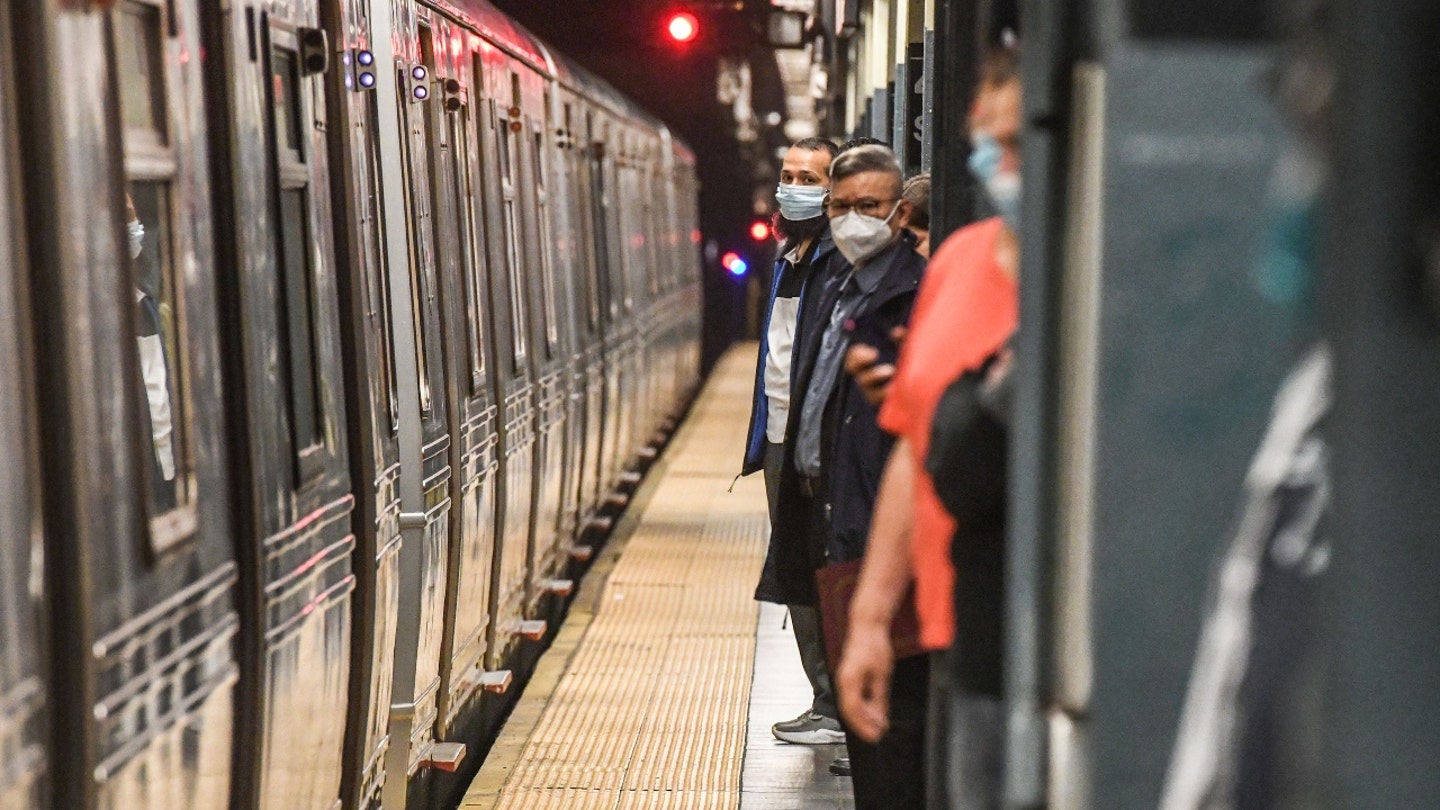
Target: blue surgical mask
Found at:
x=985, y=156
x=800, y=202
x=1004, y=191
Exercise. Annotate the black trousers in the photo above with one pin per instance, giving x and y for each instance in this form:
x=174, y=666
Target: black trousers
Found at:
x=890, y=774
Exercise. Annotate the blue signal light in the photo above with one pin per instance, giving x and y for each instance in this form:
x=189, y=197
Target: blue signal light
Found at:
x=737, y=267
x=419, y=73
x=367, y=80
x=365, y=58
x=421, y=93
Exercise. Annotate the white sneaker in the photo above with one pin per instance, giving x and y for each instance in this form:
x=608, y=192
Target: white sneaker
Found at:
x=809, y=729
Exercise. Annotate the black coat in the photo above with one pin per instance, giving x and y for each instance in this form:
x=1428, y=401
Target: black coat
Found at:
x=834, y=523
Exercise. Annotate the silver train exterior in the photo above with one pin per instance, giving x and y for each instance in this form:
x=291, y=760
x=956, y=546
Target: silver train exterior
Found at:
x=296, y=472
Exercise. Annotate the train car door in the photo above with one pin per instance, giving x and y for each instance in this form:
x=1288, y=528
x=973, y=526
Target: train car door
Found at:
x=139, y=563
x=370, y=395
x=24, y=695
x=468, y=385
x=571, y=273
x=605, y=140
x=511, y=339
x=420, y=633
x=286, y=401
x=549, y=359
x=590, y=334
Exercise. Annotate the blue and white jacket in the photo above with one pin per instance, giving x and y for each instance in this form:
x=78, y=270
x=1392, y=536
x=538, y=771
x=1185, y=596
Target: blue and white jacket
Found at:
x=760, y=409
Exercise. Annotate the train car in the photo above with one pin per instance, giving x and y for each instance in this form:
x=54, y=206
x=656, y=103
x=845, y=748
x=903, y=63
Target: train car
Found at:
x=382, y=303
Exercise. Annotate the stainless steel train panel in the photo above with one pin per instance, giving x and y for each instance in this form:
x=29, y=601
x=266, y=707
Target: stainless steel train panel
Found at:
x=296, y=546
x=457, y=187
x=23, y=693
x=138, y=561
x=371, y=398
x=1174, y=355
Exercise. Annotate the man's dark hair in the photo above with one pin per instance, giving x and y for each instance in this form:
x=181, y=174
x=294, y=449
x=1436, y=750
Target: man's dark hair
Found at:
x=817, y=145
x=863, y=140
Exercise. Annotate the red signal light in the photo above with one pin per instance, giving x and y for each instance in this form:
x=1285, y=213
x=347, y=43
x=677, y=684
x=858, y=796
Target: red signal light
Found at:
x=683, y=26
x=759, y=230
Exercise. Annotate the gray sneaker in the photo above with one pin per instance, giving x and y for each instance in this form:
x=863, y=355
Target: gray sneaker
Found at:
x=809, y=729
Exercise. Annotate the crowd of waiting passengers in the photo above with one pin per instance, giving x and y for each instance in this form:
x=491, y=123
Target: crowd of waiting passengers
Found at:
x=870, y=339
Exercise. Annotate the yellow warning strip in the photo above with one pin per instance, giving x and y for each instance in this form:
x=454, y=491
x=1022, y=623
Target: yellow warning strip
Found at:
x=641, y=702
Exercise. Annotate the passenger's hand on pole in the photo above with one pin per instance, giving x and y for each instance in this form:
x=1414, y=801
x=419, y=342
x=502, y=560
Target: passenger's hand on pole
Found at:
x=862, y=681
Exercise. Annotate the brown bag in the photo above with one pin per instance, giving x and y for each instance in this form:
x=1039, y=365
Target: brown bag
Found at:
x=836, y=584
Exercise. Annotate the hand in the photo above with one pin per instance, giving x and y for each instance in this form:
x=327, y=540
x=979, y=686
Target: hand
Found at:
x=862, y=681
x=873, y=379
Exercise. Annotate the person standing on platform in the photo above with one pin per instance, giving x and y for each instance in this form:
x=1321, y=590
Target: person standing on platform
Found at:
x=839, y=449
x=807, y=254
x=967, y=310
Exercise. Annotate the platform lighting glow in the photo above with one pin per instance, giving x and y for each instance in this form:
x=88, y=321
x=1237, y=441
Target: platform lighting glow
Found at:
x=683, y=26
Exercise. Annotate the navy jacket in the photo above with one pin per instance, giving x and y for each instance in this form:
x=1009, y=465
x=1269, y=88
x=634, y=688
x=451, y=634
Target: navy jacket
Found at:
x=825, y=255
x=832, y=524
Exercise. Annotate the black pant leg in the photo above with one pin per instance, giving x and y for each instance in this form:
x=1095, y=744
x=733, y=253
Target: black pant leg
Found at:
x=890, y=774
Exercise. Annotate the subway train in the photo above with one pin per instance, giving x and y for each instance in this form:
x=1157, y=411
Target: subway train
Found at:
x=331, y=334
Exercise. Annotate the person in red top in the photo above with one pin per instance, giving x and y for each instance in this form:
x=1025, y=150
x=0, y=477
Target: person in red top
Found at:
x=967, y=310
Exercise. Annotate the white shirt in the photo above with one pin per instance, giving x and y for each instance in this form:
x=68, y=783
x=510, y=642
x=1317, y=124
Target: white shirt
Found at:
x=780, y=338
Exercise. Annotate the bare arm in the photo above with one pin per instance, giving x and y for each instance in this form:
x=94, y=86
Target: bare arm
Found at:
x=863, y=678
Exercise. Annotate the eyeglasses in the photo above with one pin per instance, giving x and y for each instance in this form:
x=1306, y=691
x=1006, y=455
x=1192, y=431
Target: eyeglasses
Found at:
x=866, y=207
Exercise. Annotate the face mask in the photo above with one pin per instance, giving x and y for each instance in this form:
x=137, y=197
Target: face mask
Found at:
x=985, y=156
x=859, y=237
x=799, y=202
x=137, y=238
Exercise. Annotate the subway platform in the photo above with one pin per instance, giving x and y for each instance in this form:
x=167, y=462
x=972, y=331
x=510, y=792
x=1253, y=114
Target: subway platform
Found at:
x=660, y=688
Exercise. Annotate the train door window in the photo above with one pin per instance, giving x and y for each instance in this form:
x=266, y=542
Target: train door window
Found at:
x=509, y=160
x=373, y=225
x=297, y=293
x=155, y=294
x=467, y=193
x=418, y=215
x=547, y=260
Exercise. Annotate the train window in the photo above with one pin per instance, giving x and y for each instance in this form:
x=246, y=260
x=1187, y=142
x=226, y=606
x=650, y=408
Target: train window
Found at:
x=296, y=283
x=295, y=250
x=154, y=219
x=515, y=274
x=373, y=226
x=139, y=55
x=547, y=262
x=417, y=213
x=285, y=78
x=473, y=269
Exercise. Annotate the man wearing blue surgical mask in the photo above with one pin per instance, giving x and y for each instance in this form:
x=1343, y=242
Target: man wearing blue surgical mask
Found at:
x=807, y=255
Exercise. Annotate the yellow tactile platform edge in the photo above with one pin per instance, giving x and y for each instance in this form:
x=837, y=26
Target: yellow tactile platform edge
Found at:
x=650, y=709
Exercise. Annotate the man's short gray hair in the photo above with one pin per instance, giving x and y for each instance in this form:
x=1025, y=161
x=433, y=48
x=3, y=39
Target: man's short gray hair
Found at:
x=863, y=159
